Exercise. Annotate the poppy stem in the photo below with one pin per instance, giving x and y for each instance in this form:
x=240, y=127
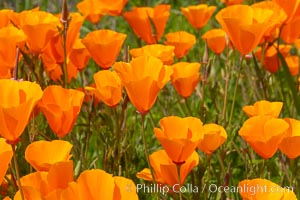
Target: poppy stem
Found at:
x=16, y=63
x=13, y=146
x=65, y=21
x=179, y=182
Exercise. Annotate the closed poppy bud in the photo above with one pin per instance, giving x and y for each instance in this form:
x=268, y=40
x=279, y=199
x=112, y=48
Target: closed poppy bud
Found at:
x=198, y=15
x=214, y=136
x=148, y=23
x=5, y=157
x=104, y=46
x=216, y=40
x=185, y=77
x=17, y=101
x=263, y=107
x=79, y=55
x=179, y=136
x=182, y=41
x=264, y=134
x=61, y=108
x=290, y=143
x=163, y=52
x=232, y=2
x=43, y=154
x=165, y=170
x=124, y=189
x=143, y=78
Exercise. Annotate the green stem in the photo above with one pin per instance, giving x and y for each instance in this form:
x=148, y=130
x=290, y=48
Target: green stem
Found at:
x=262, y=169
x=13, y=146
x=179, y=180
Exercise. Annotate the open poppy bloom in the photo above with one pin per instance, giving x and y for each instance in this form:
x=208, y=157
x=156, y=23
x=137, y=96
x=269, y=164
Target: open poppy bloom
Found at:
x=165, y=170
x=104, y=46
x=17, y=101
x=264, y=134
x=121, y=191
x=198, y=15
x=143, y=78
x=263, y=107
x=148, y=23
x=61, y=108
x=108, y=87
x=43, y=154
x=245, y=26
x=163, y=52
x=264, y=189
x=216, y=40
x=290, y=143
x=5, y=17
x=214, y=136
x=6, y=154
x=185, y=78
x=290, y=7
x=182, y=41
x=179, y=136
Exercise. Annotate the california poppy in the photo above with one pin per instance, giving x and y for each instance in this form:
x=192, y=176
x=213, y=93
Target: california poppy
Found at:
x=198, y=15
x=61, y=108
x=17, y=101
x=164, y=52
x=185, y=77
x=179, y=136
x=214, y=136
x=143, y=78
x=148, y=23
x=104, y=46
x=165, y=170
x=216, y=40
x=182, y=41
x=124, y=189
x=5, y=17
x=290, y=7
x=293, y=64
x=264, y=134
x=232, y=2
x=263, y=107
x=79, y=55
x=6, y=154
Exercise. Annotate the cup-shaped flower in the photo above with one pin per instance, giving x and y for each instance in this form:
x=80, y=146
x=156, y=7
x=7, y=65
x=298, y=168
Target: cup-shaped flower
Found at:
x=245, y=26
x=165, y=170
x=216, y=40
x=79, y=55
x=104, y=46
x=232, y=2
x=290, y=143
x=198, y=15
x=148, y=23
x=214, y=136
x=289, y=33
x=263, y=107
x=40, y=27
x=43, y=154
x=164, y=52
x=263, y=189
x=17, y=101
x=264, y=134
x=182, y=41
x=143, y=78
x=108, y=87
x=290, y=7
x=179, y=136
x=5, y=157
x=5, y=17
x=185, y=77
x=293, y=64
x=61, y=108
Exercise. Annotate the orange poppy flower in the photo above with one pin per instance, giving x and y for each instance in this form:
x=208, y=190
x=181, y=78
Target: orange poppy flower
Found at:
x=79, y=55
x=148, y=23
x=270, y=59
x=104, y=46
x=182, y=41
x=166, y=170
x=263, y=189
x=143, y=78
x=17, y=101
x=43, y=154
x=5, y=17
x=264, y=134
x=108, y=87
x=293, y=64
x=290, y=7
x=214, y=136
x=243, y=28
x=289, y=33
x=162, y=52
x=263, y=107
x=216, y=40
x=198, y=15
x=40, y=27
x=124, y=189
x=232, y=2
x=179, y=136
x=290, y=143
x=5, y=157
x=185, y=77
x=61, y=108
